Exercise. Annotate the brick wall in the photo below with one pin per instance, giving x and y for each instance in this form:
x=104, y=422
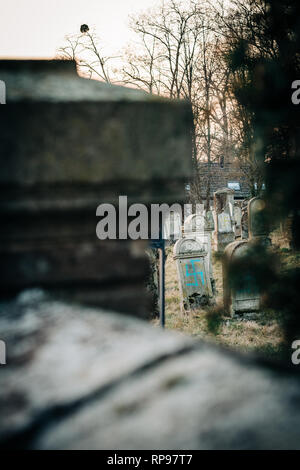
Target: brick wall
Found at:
x=221, y=175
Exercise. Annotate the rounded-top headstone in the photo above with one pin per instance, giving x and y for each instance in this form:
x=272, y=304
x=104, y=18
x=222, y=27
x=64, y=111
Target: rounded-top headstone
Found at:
x=187, y=246
x=257, y=223
x=244, y=297
x=194, y=223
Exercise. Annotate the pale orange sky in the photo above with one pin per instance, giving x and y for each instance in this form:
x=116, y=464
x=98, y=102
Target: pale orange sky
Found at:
x=36, y=28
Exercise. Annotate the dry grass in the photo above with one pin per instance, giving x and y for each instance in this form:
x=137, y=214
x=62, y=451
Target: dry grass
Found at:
x=262, y=335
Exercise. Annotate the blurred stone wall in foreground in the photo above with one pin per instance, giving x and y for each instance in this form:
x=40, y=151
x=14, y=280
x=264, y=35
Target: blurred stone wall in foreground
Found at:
x=68, y=144
x=83, y=378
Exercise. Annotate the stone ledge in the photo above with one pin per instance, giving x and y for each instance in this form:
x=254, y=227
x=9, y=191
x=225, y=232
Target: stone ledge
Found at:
x=80, y=378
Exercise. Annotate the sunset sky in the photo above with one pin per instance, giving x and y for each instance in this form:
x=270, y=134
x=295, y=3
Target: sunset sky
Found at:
x=36, y=28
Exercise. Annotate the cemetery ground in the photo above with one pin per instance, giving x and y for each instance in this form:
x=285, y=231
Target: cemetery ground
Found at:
x=261, y=334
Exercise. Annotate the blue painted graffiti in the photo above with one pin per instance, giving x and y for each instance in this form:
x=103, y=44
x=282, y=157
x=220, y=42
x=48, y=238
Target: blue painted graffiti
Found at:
x=193, y=272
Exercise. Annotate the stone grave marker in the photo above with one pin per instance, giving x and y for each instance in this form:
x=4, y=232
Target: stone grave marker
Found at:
x=194, y=223
x=193, y=275
x=194, y=227
x=200, y=227
x=172, y=227
x=209, y=227
x=209, y=221
x=244, y=297
x=258, y=227
x=244, y=223
x=237, y=213
x=224, y=231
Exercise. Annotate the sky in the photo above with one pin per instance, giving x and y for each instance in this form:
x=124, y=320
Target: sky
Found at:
x=36, y=28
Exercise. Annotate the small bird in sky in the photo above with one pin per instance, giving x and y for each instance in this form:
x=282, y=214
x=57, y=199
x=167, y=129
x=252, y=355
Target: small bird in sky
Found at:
x=84, y=28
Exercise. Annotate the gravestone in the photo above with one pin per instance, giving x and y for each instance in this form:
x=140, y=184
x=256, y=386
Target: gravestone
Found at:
x=194, y=227
x=237, y=213
x=67, y=145
x=200, y=227
x=193, y=275
x=209, y=227
x=209, y=221
x=258, y=226
x=152, y=282
x=172, y=227
x=244, y=223
x=243, y=295
x=194, y=223
x=224, y=231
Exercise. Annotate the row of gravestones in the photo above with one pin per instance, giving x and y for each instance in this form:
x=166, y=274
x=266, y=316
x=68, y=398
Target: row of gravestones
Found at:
x=225, y=231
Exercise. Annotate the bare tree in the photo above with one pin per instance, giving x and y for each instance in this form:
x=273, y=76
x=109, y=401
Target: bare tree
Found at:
x=245, y=27
x=85, y=49
x=179, y=57
x=168, y=49
x=182, y=52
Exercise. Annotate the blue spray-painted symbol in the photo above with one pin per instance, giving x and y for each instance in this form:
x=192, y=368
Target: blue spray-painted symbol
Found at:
x=193, y=273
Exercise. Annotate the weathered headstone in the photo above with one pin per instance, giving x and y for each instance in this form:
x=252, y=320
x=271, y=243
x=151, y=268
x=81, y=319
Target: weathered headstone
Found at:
x=200, y=227
x=209, y=227
x=172, y=227
x=241, y=295
x=209, y=221
x=258, y=226
x=152, y=282
x=193, y=275
x=244, y=223
x=194, y=223
x=237, y=213
x=224, y=231
x=68, y=144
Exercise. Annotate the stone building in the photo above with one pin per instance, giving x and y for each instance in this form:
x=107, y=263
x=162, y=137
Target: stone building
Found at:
x=225, y=175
